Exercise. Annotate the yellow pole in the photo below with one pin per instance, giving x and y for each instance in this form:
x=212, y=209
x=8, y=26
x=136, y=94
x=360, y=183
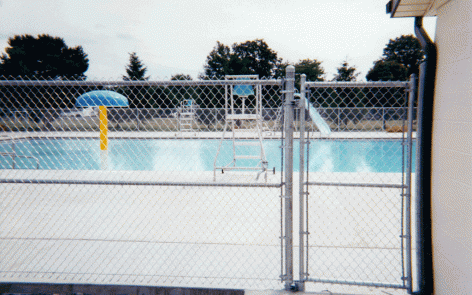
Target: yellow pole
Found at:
x=103, y=128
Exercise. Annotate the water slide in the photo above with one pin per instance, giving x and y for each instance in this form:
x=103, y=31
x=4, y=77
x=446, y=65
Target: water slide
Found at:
x=316, y=117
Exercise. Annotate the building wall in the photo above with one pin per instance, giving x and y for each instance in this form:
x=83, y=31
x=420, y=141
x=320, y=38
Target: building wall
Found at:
x=452, y=151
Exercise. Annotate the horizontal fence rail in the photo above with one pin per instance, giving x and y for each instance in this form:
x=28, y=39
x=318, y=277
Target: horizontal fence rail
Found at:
x=137, y=183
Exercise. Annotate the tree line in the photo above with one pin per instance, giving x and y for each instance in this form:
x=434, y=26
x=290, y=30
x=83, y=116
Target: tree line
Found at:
x=46, y=57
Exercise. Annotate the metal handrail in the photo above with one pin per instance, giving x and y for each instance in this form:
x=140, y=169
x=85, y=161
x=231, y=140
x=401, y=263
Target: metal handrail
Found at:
x=14, y=155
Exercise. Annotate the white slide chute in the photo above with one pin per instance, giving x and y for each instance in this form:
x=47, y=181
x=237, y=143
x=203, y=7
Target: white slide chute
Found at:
x=316, y=117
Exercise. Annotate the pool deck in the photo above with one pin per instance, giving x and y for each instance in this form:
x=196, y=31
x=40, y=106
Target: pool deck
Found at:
x=126, y=234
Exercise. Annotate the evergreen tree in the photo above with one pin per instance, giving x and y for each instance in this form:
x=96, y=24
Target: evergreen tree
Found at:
x=139, y=97
x=347, y=97
x=346, y=73
x=135, y=70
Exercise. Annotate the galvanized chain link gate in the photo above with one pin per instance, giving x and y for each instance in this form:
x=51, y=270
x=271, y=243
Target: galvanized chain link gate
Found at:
x=153, y=217
x=354, y=222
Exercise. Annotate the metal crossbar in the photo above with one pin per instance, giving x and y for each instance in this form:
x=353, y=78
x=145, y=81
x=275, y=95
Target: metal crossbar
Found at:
x=138, y=183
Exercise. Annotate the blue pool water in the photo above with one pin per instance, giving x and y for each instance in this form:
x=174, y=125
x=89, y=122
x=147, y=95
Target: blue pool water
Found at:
x=198, y=155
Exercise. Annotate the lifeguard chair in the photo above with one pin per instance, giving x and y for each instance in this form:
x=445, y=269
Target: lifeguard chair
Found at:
x=187, y=112
x=243, y=116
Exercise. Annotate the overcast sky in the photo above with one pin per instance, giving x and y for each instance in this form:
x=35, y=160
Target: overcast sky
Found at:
x=173, y=37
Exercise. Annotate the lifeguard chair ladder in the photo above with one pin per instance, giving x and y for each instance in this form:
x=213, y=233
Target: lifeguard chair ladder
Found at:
x=246, y=127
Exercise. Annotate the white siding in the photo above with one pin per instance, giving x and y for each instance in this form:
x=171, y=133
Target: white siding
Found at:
x=452, y=151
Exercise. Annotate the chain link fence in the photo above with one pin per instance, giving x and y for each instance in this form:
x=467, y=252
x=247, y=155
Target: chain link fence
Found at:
x=149, y=208
x=206, y=120
x=187, y=185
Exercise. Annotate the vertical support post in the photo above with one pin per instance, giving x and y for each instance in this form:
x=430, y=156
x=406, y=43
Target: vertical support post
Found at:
x=302, y=106
x=103, y=137
x=288, y=126
x=411, y=102
x=384, y=123
x=103, y=128
x=13, y=147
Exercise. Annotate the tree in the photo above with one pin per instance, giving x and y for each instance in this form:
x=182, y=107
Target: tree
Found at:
x=387, y=71
x=217, y=65
x=405, y=50
x=139, y=97
x=135, y=70
x=385, y=96
x=311, y=68
x=253, y=58
x=280, y=67
x=44, y=57
x=248, y=58
x=401, y=58
x=181, y=77
x=346, y=73
x=346, y=97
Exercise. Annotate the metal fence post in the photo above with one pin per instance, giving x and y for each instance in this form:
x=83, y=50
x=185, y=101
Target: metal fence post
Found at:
x=411, y=101
x=288, y=126
x=384, y=123
x=302, y=231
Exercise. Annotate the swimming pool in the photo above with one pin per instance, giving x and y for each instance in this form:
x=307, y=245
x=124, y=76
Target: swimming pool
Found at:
x=353, y=155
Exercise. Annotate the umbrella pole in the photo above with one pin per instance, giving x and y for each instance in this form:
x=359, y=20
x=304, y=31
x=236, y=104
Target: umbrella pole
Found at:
x=103, y=137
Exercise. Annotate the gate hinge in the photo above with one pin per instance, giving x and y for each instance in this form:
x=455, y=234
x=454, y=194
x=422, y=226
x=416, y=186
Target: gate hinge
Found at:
x=405, y=236
x=404, y=278
x=304, y=233
x=285, y=197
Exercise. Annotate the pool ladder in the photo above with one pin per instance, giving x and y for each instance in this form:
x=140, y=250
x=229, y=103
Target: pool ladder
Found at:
x=13, y=155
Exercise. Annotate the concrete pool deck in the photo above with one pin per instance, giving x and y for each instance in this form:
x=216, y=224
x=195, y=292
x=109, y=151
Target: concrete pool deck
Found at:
x=181, y=236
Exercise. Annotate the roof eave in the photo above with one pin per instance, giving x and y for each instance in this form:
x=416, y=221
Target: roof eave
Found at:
x=401, y=8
